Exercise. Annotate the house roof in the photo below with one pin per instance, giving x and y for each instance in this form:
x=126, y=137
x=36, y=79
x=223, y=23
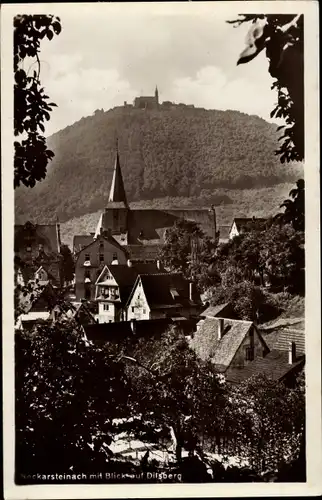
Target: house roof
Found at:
x=108, y=238
x=215, y=311
x=287, y=335
x=165, y=290
x=80, y=241
x=119, y=331
x=241, y=222
x=125, y=276
x=221, y=352
x=274, y=366
x=144, y=252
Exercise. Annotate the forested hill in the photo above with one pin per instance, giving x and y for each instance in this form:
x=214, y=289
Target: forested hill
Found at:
x=177, y=152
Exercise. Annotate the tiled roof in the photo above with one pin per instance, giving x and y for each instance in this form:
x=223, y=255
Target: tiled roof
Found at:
x=288, y=335
x=80, y=241
x=143, y=252
x=119, y=331
x=241, y=222
x=274, y=366
x=150, y=225
x=213, y=311
x=221, y=352
x=125, y=276
x=166, y=290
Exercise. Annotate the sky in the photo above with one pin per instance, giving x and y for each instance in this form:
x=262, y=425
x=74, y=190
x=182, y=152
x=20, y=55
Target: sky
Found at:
x=107, y=55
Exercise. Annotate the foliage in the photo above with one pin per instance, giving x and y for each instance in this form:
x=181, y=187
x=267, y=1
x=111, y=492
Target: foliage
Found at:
x=67, y=394
x=295, y=208
x=67, y=264
x=269, y=421
x=199, y=151
x=31, y=106
x=188, y=251
x=246, y=298
x=282, y=36
x=176, y=395
x=273, y=255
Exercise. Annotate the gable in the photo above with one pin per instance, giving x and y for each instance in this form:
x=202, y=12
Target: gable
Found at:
x=109, y=245
x=138, y=297
x=221, y=352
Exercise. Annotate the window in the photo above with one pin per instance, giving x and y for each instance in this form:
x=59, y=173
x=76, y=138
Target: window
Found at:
x=144, y=311
x=101, y=257
x=87, y=274
x=28, y=248
x=87, y=256
x=87, y=293
x=101, y=246
x=106, y=307
x=114, y=256
x=132, y=309
x=249, y=353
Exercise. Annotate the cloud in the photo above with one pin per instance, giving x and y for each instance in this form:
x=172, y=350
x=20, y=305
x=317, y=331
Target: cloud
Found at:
x=103, y=57
x=212, y=89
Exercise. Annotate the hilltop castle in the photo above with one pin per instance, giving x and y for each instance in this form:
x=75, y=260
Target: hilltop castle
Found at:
x=147, y=102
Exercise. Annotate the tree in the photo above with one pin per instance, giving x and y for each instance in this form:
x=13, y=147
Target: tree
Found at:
x=269, y=421
x=295, y=207
x=67, y=394
x=176, y=397
x=187, y=250
x=67, y=264
x=282, y=36
x=31, y=106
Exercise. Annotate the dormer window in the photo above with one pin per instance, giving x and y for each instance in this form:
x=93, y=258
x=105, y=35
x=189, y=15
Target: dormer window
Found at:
x=174, y=293
x=87, y=261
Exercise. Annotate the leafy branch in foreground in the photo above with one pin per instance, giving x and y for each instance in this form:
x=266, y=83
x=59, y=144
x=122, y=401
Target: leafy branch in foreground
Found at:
x=31, y=106
x=283, y=38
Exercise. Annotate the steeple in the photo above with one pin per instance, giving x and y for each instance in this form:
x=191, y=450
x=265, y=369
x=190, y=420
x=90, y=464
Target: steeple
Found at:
x=156, y=94
x=117, y=191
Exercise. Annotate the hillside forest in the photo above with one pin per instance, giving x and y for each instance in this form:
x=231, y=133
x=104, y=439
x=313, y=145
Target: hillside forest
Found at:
x=192, y=154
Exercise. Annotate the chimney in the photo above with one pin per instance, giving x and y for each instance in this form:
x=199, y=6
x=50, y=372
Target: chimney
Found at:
x=292, y=353
x=129, y=263
x=159, y=264
x=133, y=326
x=191, y=291
x=220, y=328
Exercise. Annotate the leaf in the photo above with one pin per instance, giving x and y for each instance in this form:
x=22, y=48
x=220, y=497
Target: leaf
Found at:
x=49, y=34
x=57, y=27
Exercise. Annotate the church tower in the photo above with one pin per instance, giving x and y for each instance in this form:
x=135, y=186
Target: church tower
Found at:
x=114, y=220
x=117, y=191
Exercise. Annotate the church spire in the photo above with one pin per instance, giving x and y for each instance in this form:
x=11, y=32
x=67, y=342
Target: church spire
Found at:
x=117, y=191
